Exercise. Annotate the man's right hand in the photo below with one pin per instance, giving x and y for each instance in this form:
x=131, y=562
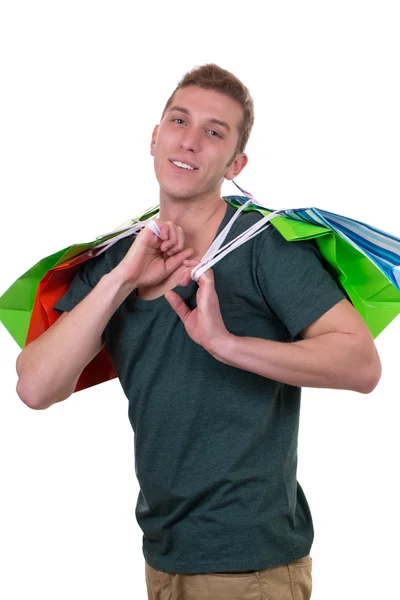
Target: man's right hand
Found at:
x=49, y=368
x=151, y=259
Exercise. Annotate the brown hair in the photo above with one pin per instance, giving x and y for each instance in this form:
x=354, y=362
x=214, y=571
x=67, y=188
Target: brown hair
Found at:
x=213, y=77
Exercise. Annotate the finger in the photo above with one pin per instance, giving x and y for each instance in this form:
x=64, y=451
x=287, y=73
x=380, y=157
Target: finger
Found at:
x=163, y=229
x=148, y=237
x=172, y=237
x=191, y=262
x=175, y=261
x=179, y=306
x=207, y=278
x=180, y=242
x=185, y=277
x=180, y=239
x=207, y=286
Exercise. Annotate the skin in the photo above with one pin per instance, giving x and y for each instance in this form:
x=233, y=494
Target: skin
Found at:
x=192, y=199
x=191, y=207
x=337, y=350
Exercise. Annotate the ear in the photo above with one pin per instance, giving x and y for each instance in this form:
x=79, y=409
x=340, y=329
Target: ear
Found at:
x=153, y=140
x=237, y=166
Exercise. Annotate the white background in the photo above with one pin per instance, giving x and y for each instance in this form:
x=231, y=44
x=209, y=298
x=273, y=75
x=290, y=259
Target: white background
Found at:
x=82, y=85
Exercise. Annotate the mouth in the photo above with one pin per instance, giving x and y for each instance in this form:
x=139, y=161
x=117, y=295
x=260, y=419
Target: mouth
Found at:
x=183, y=166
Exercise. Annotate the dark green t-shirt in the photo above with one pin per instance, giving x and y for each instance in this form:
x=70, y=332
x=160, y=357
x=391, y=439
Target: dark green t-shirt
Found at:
x=216, y=446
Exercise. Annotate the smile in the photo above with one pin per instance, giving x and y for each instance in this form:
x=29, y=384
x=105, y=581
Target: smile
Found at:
x=182, y=165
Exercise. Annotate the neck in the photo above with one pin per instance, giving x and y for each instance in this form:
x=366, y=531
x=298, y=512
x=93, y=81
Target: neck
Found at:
x=199, y=219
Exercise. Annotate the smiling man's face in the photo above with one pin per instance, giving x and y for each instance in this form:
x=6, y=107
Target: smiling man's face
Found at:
x=195, y=142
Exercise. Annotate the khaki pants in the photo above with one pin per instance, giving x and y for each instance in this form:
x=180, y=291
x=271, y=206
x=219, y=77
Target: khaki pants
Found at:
x=292, y=581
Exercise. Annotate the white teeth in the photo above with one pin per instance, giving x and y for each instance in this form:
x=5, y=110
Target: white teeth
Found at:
x=182, y=165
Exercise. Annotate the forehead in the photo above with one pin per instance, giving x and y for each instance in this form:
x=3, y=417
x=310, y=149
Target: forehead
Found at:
x=207, y=104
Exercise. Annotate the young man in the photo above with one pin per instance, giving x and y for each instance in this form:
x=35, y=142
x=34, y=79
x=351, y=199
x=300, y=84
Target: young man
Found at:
x=212, y=372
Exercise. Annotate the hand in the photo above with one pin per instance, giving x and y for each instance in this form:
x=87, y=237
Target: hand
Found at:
x=204, y=324
x=151, y=259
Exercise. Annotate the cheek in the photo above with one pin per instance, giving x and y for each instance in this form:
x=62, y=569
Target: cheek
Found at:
x=158, y=168
x=218, y=164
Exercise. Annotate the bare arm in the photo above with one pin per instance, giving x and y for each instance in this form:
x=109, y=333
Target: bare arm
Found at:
x=337, y=350
x=49, y=368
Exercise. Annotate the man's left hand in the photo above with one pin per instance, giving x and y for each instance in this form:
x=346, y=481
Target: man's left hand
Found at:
x=204, y=324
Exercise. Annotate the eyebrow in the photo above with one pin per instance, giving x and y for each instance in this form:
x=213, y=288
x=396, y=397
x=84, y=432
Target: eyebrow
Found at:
x=212, y=120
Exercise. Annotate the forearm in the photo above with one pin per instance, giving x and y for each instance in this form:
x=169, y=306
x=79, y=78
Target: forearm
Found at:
x=322, y=362
x=49, y=367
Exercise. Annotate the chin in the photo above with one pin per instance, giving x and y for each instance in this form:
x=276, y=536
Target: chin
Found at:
x=177, y=192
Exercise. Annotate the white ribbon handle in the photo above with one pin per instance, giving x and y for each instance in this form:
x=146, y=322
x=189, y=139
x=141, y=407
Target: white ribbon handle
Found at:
x=215, y=252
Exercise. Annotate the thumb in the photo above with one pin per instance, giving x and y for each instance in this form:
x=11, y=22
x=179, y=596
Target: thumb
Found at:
x=176, y=260
x=179, y=306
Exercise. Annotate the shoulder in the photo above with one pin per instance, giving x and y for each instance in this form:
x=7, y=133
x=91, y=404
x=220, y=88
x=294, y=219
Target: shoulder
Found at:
x=117, y=251
x=93, y=269
x=270, y=238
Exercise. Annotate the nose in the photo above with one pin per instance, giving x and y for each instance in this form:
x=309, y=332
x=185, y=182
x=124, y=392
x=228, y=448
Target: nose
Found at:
x=191, y=140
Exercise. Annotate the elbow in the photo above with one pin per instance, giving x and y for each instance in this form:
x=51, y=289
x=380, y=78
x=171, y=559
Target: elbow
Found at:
x=28, y=397
x=24, y=391
x=33, y=399
x=371, y=375
x=38, y=394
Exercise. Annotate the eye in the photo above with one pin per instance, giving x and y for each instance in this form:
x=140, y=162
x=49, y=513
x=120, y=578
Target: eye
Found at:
x=214, y=133
x=178, y=119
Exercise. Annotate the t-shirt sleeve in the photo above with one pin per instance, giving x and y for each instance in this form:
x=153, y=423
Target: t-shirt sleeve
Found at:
x=82, y=283
x=294, y=281
x=90, y=273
